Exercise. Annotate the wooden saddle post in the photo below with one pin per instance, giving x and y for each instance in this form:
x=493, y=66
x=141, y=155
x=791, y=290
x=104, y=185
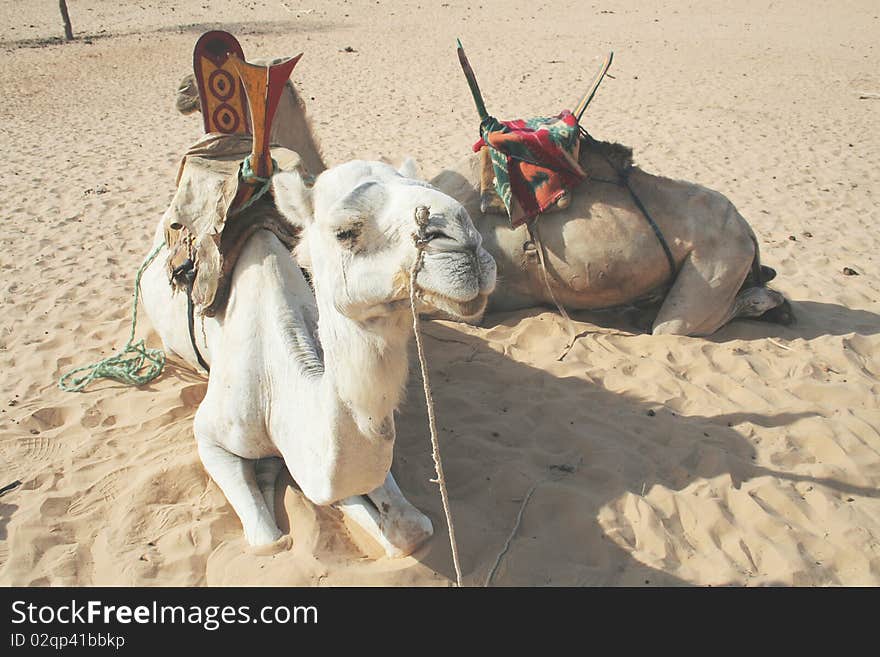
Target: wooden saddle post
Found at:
x=238, y=97
x=263, y=86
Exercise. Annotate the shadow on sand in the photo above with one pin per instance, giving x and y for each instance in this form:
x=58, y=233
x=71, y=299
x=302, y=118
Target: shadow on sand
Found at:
x=581, y=446
x=240, y=29
x=813, y=319
x=583, y=453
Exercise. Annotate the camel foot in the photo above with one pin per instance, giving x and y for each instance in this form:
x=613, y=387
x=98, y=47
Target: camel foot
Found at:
x=781, y=314
x=756, y=301
x=388, y=517
x=275, y=547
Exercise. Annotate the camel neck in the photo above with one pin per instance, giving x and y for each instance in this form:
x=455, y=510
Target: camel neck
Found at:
x=365, y=366
x=363, y=371
x=293, y=130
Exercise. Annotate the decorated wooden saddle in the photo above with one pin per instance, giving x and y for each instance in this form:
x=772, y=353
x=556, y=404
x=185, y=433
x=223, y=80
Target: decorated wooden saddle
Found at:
x=529, y=167
x=224, y=181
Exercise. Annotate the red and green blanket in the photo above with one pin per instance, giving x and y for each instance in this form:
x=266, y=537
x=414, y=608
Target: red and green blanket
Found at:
x=535, y=161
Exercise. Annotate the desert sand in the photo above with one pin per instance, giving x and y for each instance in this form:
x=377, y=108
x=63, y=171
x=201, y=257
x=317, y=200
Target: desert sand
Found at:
x=751, y=457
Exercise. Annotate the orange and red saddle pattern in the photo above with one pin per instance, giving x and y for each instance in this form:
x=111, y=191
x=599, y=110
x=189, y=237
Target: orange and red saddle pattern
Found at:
x=535, y=161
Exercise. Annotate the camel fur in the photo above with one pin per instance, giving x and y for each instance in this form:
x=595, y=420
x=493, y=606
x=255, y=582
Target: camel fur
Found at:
x=310, y=379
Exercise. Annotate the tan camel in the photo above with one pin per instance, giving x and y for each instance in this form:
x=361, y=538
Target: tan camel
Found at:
x=601, y=252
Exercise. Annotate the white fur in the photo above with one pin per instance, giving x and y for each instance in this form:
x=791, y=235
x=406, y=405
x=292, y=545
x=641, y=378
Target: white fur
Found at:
x=409, y=168
x=315, y=378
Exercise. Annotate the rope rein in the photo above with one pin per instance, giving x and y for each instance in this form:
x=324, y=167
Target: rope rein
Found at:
x=121, y=367
x=420, y=240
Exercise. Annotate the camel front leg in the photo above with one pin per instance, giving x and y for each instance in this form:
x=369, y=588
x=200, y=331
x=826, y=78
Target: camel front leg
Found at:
x=702, y=298
x=267, y=474
x=389, y=518
x=238, y=481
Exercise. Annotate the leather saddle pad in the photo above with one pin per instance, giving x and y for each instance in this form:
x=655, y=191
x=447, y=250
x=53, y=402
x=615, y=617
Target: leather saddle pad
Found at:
x=199, y=225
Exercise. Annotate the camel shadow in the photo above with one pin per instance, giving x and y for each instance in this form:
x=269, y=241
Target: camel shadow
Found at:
x=241, y=28
x=580, y=449
x=813, y=319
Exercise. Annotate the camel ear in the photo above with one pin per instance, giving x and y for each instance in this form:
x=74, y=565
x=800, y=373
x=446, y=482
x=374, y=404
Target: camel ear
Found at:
x=293, y=197
x=409, y=168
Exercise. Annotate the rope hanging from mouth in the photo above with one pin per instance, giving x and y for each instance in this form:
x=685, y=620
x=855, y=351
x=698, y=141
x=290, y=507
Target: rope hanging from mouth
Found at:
x=420, y=239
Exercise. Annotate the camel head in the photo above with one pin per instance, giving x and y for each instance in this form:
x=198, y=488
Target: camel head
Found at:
x=186, y=100
x=359, y=220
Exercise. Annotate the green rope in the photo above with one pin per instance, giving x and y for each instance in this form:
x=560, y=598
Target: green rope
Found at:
x=118, y=367
x=247, y=174
x=126, y=369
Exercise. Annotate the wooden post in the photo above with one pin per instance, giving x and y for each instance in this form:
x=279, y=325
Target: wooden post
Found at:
x=65, y=16
x=263, y=86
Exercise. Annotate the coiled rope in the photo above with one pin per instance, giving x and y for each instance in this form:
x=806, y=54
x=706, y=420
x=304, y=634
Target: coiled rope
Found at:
x=138, y=369
x=146, y=364
x=420, y=239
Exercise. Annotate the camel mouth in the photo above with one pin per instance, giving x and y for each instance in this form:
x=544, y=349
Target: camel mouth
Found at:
x=186, y=105
x=462, y=310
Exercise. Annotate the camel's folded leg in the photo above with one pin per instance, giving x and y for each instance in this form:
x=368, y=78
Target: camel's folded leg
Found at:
x=237, y=479
x=702, y=298
x=267, y=473
x=389, y=518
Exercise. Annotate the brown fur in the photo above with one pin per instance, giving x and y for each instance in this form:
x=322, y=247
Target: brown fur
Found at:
x=620, y=157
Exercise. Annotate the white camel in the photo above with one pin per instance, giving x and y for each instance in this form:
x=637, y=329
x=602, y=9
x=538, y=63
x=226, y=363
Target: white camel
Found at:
x=312, y=380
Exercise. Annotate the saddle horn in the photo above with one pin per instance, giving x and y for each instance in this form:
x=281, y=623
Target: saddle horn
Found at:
x=263, y=86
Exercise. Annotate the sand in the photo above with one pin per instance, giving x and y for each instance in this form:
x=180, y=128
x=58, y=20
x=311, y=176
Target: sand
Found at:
x=748, y=458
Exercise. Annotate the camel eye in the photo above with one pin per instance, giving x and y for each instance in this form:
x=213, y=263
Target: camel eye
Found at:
x=350, y=234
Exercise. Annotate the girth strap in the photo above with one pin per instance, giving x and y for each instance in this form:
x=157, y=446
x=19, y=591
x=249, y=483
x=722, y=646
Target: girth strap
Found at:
x=187, y=273
x=623, y=181
x=672, y=268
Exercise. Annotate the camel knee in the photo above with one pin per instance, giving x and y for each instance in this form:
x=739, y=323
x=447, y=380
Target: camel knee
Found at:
x=329, y=489
x=319, y=493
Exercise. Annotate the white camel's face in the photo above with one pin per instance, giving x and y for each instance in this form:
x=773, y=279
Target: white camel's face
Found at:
x=361, y=240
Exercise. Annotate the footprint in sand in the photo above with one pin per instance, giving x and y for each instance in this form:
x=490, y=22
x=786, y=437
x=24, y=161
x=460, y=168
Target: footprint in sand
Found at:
x=37, y=448
x=107, y=490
